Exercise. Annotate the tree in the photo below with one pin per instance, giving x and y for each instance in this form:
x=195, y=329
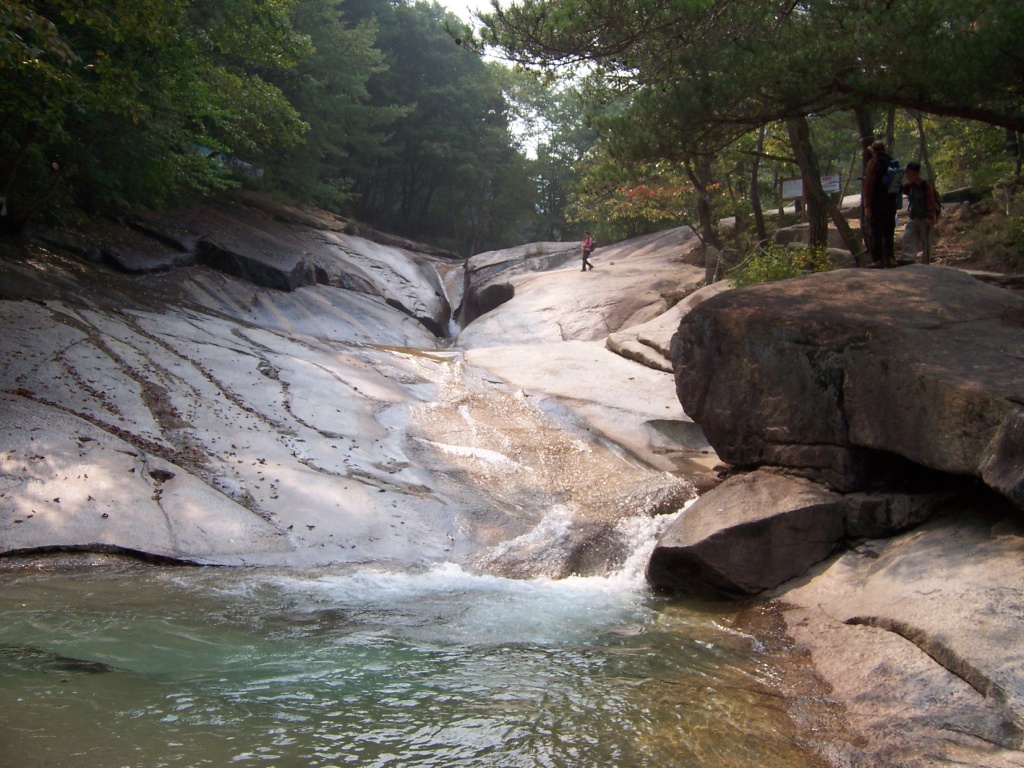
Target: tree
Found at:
x=119, y=104
x=553, y=124
x=328, y=88
x=619, y=200
x=742, y=63
x=449, y=143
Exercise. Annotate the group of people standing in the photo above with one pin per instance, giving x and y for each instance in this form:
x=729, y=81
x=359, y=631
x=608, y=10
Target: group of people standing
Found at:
x=880, y=207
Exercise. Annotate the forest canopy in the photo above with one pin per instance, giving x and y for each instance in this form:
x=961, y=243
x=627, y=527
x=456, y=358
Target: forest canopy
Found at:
x=619, y=117
x=370, y=108
x=697, y=92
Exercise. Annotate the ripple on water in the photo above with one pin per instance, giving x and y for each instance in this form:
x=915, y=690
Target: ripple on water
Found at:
x=368, y=667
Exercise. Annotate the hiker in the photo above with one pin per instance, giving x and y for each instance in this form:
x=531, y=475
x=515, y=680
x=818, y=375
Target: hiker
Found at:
x=923, y=208
x=588, y=248
x=880, y=207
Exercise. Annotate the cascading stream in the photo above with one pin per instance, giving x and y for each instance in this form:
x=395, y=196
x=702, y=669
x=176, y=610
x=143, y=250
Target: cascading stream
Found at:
x=320, y=426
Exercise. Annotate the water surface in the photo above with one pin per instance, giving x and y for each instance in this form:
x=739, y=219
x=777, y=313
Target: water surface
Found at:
x=139, y=665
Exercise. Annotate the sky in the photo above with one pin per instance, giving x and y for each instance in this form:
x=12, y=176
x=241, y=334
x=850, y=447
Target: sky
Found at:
x=465, y=8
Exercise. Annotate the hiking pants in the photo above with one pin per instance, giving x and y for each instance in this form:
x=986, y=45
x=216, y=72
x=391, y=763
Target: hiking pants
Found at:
x=883, y=235
x=917, y=237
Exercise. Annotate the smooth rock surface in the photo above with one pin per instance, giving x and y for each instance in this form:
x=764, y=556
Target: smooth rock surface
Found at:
x=54, y=463
x=323, y=424
x=607, y=396
x=286, y=249
x=631, y=283
x=918, y=638
x=650, y=343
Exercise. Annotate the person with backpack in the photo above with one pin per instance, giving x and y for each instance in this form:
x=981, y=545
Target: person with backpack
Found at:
x=588, y=248
x=923, y=209
x=880, y=202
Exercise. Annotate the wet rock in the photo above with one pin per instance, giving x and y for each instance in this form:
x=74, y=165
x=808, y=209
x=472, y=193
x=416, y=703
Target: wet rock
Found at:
x=197, y=415
x=606, y=395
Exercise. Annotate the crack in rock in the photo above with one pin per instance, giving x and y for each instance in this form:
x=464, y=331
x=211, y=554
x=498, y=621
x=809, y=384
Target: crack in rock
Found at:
x=953, y=663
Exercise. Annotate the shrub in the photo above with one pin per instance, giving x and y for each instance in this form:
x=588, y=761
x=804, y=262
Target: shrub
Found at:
x=771, y=262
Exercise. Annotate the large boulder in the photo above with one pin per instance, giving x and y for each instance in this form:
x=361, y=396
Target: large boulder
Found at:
x=749, y=534
x=832, y=374
x=917, y=639
x=759, y=530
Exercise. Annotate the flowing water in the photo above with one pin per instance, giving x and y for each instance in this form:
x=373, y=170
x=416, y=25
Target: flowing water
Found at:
x=142, y=665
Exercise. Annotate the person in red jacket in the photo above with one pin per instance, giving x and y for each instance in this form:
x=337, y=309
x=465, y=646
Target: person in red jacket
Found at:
x=922, y=209
x=588, y=248
x=879, y=207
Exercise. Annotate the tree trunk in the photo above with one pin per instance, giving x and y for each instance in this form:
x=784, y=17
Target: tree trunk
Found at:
x=819, y=207
x=782, y=203
x=866, y=128
x=1015, y=149
x=1020, y=152
x=755, y=195
x=922, y=148
x=890, y=129
x=12, y=173
x=814, y=195
x=849, y=173
x=844, y=228
x=700, y=176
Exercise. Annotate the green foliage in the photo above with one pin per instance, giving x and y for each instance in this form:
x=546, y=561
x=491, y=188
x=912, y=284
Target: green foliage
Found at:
x=329, y=89
x=110, y=103
x=965, y=154
x=618, y=201
x=445, y=169
x=693, y=79
x=371, y=108
x=552, y=120
x=773, y=262
x=725, y=66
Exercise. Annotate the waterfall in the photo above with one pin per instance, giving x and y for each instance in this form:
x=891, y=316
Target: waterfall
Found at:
x=556, y=548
